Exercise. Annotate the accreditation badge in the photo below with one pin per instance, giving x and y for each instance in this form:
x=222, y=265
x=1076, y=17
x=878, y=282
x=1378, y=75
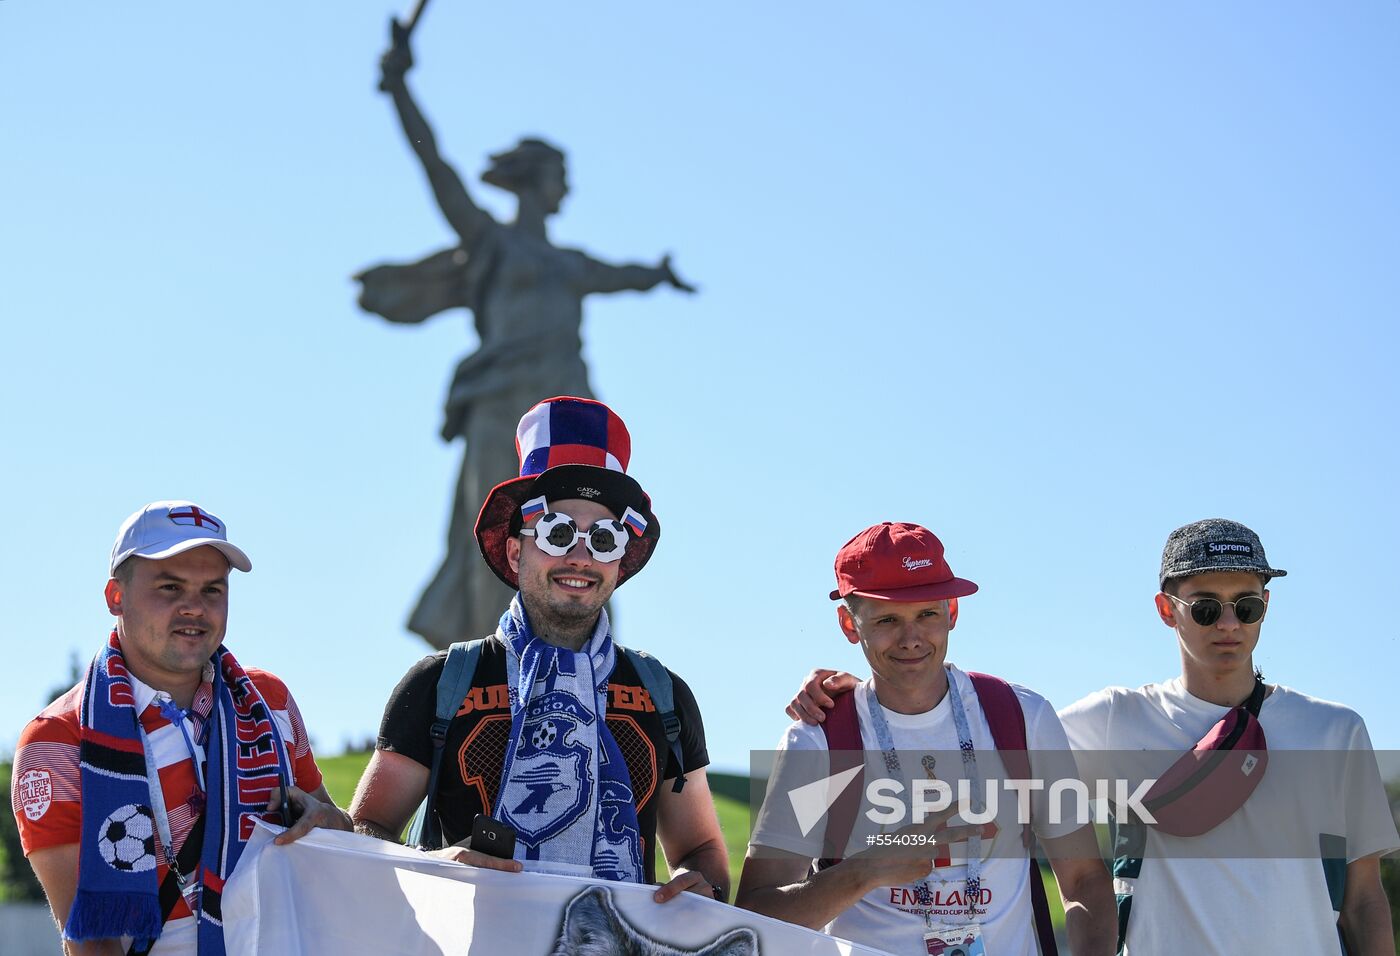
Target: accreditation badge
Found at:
x=955, y=941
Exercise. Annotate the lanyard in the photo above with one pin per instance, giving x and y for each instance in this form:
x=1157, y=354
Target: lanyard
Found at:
x=178, y=717
x=973, y=872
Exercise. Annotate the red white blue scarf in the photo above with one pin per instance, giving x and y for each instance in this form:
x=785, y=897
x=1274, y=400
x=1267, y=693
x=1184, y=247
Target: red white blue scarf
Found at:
x=245, y=758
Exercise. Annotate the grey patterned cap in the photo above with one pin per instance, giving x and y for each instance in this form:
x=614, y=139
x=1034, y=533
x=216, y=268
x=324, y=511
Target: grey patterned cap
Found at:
x=1215, y=544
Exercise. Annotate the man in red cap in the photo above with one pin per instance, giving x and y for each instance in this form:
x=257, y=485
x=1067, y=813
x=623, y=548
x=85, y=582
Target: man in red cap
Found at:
x=971, y=890
x=563, y=736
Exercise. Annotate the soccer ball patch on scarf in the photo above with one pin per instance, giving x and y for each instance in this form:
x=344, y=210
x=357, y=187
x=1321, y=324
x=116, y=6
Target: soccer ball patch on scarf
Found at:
x=128, y=841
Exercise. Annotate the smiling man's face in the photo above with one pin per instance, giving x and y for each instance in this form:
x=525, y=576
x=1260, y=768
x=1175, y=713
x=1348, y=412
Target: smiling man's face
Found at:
x=564, y=595
x=905, y=642
x=171, y=616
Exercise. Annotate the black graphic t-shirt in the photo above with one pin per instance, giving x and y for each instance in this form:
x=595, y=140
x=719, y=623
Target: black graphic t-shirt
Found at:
x=476, y=741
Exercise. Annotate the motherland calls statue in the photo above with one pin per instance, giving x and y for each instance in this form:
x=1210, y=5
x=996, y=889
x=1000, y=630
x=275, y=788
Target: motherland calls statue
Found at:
x=526, y=296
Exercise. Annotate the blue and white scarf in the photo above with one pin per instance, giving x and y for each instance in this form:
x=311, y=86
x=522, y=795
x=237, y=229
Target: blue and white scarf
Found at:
x=117, y=893
x=564, y=784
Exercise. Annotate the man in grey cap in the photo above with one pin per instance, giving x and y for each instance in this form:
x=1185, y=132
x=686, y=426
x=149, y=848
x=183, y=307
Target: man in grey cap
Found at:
x=1214, y=594
x=136, y=791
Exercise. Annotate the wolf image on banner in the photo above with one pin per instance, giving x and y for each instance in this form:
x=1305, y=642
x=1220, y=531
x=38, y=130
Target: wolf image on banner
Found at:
x=593, y=927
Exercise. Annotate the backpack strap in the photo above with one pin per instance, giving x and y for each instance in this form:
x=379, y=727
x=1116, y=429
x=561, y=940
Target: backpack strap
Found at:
x=1007, y=722
x=846, y=750
x=452, y=687
x=657, y=681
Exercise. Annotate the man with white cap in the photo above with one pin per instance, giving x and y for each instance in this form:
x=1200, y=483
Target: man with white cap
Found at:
x=559, y=733
x=921, y=717
x=136, y=791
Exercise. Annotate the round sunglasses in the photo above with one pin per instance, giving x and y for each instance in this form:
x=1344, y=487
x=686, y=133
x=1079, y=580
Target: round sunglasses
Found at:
x=1206, y=611
x=556, y=534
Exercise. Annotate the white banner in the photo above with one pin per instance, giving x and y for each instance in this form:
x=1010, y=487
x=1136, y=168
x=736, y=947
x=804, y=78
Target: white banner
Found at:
x=334, y=893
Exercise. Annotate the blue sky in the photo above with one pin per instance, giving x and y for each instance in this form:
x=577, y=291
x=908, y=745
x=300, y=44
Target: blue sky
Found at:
x=1052, y=279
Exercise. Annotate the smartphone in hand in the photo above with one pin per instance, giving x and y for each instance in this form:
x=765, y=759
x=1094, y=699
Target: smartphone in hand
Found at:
x=492, y=837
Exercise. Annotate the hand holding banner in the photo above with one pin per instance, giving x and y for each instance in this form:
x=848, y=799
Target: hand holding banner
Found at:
x=334, y=892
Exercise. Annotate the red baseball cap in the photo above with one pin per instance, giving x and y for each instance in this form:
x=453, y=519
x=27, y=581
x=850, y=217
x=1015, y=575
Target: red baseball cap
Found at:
x=897, y=561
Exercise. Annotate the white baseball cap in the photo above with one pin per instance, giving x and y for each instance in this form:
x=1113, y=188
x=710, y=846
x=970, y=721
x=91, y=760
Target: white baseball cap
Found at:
x=163, y=529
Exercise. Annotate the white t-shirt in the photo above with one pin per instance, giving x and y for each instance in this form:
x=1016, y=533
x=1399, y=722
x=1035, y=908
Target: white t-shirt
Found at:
x=891, y=917
x=1204, y=905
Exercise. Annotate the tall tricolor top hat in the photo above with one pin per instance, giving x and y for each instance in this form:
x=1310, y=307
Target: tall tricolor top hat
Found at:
x=164, y=529
x=897, y=561
x=569, y=448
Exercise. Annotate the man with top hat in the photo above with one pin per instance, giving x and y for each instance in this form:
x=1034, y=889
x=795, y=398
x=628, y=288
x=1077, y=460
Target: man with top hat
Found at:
x=973, y=888
x=165, y=753
x=558, y=736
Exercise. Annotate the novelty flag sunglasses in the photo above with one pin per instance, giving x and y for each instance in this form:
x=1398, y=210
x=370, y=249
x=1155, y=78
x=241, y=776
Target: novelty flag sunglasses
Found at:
x=1206, y=611
x=557, y=534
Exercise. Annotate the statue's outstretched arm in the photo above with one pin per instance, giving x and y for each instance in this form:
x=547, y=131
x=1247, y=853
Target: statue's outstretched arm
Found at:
x=463, y=215
x=605, y=277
